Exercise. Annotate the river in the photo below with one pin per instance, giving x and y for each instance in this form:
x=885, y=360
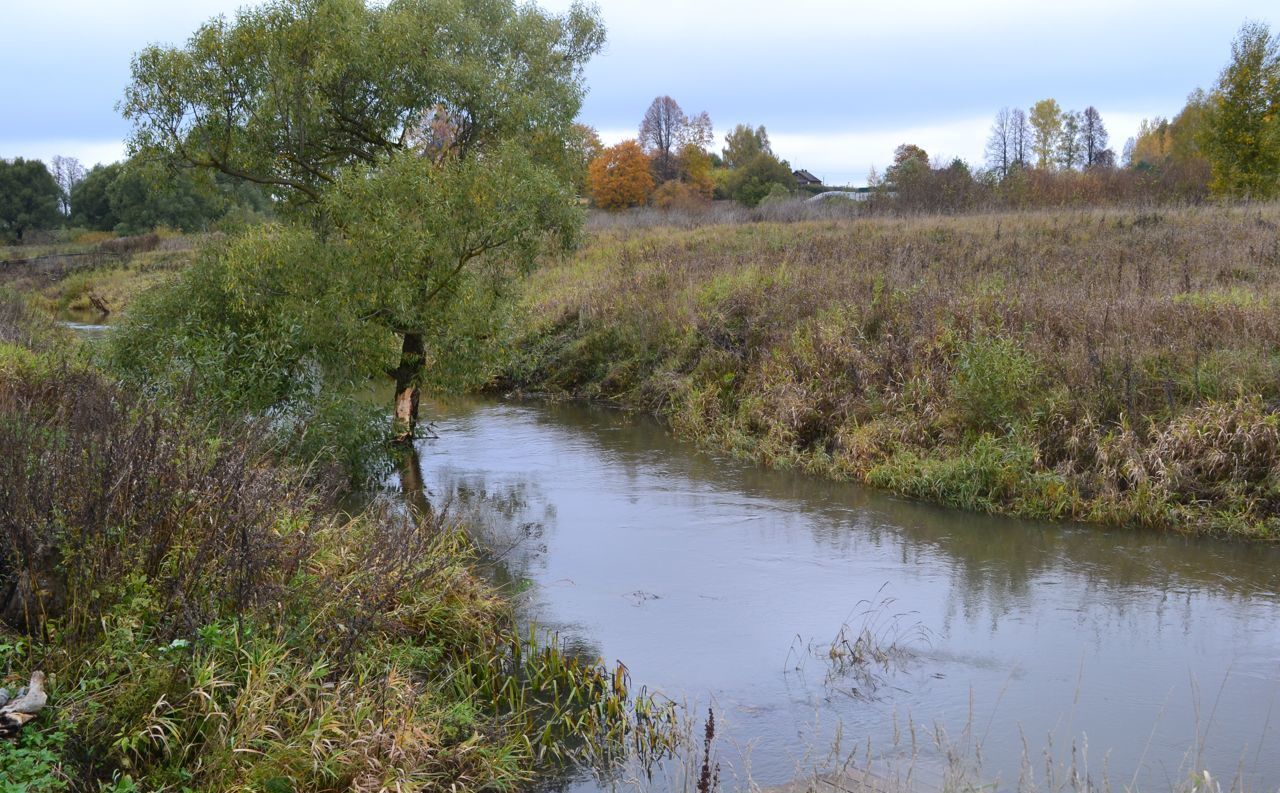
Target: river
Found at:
x=1142, y=656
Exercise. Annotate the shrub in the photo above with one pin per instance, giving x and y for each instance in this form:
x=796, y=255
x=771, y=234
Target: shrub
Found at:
x=99, y=485
x=754, y=180
x=993, y=382
x=680, y=196
x=244, y=330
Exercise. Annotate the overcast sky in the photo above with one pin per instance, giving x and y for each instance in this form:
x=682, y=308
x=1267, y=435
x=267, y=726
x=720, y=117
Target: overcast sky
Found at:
x=837, y=84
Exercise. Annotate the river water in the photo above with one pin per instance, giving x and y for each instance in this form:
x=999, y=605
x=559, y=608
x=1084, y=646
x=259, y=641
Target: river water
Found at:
x=1141, y=657
x=1146, y=657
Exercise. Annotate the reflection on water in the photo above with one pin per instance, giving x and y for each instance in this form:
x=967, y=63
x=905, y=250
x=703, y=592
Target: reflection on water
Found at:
x=87, y=324
x=704, y=574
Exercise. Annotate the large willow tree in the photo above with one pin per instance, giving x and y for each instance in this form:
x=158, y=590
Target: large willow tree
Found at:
x=421, y=143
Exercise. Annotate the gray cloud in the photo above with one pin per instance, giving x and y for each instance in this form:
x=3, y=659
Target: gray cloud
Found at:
x=853, y=74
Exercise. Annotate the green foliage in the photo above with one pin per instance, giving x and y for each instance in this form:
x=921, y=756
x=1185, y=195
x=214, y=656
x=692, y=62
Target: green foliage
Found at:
x=90, y=201
x=291, y=92
x=428, y=147
x=283, y=321
x=145, y=196
x=259, y=325
x=33, y=763
x=993, y=474
x=993, y=382
x=435, y=247
x=910, y=176
x=139, y=195
x=28, y=198
x=1242, y=135
x=759, y=176
x=753, y=170
x=777, y=193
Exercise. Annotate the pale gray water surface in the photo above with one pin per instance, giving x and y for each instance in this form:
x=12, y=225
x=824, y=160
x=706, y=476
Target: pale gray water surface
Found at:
x=708, y=577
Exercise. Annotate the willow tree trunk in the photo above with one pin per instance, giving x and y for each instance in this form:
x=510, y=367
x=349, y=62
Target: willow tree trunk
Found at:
x=408, y=376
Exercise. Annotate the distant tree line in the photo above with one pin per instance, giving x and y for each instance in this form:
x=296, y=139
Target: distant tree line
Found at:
x=670, y=164
x=128, y=197
x=1224, y=143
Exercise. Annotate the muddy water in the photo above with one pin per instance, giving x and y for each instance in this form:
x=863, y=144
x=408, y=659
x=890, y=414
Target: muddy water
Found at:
x=716, y=582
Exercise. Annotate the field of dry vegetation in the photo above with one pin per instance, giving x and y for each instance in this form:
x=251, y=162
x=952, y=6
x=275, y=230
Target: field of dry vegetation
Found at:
x=1112, y=366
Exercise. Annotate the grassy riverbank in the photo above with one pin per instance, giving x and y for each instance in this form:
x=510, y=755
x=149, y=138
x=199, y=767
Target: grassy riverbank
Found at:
x=1120, y=367
x=97, y=273
x=209, y=620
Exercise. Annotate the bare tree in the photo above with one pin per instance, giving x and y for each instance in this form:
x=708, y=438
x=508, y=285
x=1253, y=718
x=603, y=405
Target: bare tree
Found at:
x=661, y=129
x=1000, y=144
x=67, y=172
x=1019, y=137
x=1093, y=138
x=699, y=132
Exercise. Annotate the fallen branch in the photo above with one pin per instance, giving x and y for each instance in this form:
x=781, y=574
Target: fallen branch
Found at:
x=99, y=304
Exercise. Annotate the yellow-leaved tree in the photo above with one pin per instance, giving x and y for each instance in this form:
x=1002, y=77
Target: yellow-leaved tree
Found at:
x=1242, y=136
x=620, y=177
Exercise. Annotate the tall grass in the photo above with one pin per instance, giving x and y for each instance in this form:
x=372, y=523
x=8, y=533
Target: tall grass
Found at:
x=210, y=621
x=1069, y=364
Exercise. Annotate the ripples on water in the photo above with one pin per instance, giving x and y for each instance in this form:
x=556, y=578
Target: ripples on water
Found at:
x=706, y=576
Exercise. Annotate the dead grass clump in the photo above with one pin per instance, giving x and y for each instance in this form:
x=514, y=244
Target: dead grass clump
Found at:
x=140, y=243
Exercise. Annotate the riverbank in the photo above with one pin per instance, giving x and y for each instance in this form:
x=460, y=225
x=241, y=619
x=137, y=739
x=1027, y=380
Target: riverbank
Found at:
x=99, y=275
x=210, y=620
x=1118, y=367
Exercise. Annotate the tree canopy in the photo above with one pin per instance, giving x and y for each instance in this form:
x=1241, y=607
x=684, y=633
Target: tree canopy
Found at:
x=1046, y=126
x=754, y=171
x=620, y=177
x=138, y=195
x=1242, y=138
x=428, y=147
x=29, y=198
x=293, y=91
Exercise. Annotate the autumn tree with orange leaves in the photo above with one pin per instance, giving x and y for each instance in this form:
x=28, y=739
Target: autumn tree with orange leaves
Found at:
x=620, y=177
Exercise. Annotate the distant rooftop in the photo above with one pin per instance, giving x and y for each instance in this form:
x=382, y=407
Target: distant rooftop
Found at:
x=803, y=177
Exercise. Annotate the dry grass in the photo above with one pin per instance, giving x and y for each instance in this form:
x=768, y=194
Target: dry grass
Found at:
x=1116, y=366
x=209, y=621
x=81, y=279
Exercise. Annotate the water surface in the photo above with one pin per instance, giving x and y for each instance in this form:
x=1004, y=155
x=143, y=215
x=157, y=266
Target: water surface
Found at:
x=712, y=579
